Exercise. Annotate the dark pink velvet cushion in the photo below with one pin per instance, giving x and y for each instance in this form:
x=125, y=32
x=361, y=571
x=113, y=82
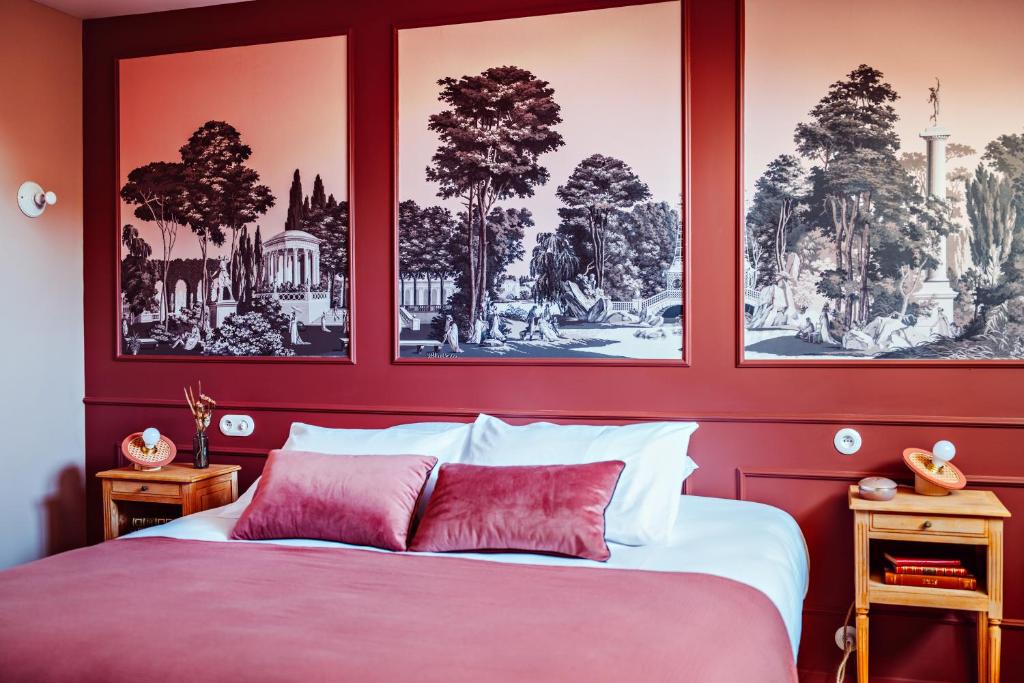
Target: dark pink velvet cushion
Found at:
x=543, y=509
x=357, y=499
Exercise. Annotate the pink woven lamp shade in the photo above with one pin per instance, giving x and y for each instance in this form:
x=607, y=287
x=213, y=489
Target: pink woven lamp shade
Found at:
x=148, y=450
x=934, y=475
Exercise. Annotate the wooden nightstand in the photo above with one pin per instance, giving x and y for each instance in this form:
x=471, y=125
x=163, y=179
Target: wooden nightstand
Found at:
x=964, y=518
x=174, y=490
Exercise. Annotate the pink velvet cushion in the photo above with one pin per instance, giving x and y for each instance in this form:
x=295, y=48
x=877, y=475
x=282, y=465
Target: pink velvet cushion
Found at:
x=357, y=499
x=543, y=509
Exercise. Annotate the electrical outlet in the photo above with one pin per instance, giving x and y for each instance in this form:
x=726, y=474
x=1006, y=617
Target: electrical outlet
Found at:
x=847, y=441
x=236, y=425
x=844, y=635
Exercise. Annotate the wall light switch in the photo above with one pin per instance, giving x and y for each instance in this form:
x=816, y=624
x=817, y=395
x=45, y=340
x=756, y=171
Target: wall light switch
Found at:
x=236, y=425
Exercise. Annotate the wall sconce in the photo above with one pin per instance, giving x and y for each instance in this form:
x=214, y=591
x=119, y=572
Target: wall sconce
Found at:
x=32, y=200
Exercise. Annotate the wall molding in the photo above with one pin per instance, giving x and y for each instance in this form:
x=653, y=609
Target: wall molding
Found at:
x=950, y=618
x=980, y=421
x=852, y=476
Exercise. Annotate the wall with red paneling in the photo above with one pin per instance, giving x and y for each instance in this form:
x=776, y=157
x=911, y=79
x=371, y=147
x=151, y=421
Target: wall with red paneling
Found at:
x=766, y=432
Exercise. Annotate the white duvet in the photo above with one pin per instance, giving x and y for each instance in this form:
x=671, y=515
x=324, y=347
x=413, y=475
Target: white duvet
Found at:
x=755, y=544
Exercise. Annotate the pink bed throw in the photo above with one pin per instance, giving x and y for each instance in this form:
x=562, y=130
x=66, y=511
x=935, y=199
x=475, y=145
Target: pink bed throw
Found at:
x=256, y=612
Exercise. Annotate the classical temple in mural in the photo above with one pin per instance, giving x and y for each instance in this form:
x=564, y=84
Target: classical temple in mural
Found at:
x=291, y=264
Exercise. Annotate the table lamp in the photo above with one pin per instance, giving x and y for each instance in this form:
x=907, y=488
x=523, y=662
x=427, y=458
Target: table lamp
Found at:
x=934, y=474
x=148, y=450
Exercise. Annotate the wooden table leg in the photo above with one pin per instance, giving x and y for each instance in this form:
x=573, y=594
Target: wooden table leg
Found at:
x=982, y=647
x=994, y=642
x=862, y=645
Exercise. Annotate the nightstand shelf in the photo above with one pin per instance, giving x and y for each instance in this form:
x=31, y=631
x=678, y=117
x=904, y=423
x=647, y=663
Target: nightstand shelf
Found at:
x=172, y=491
x=881, y=593
x=966, y=523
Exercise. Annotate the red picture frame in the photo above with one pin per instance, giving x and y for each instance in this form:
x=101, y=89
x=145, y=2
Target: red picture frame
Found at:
x=685, y=359
x=350, y=357
x=739, y=301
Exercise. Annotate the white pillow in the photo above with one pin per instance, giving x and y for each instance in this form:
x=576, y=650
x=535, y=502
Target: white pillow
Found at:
x=446, y=441
x=646, y=501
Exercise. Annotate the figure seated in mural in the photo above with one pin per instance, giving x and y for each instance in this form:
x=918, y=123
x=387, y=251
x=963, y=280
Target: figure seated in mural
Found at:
x=807, y=332
x=884, y=333
x=547, y=325
x=189, y=341
x=451, y=335
x=547, y=330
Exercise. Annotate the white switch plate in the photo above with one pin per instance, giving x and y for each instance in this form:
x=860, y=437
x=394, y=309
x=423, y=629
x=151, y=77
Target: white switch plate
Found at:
x=236, y=425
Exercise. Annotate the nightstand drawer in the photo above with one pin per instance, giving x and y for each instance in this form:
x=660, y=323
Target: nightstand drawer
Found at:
x=922, y=524
x=146, y=488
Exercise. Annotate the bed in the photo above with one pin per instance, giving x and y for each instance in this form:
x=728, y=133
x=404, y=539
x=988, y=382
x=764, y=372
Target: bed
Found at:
x=720, y=602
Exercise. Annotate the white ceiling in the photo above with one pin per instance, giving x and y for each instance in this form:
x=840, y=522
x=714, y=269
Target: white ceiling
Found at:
x=93, y=9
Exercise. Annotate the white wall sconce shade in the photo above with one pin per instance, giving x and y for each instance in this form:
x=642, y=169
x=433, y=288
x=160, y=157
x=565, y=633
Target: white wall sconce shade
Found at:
x=32, y=200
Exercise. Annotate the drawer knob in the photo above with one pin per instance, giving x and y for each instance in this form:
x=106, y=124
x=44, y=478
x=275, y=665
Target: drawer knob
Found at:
x=927, y=524
x=146, y=488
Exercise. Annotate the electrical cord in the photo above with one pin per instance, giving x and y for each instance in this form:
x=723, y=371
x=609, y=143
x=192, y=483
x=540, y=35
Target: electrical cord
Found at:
x=848, y=647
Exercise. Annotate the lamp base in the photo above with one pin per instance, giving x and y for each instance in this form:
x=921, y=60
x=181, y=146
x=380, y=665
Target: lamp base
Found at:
x=926, y=488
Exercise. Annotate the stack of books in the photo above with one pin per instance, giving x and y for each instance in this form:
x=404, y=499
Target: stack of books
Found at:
x=930, y=572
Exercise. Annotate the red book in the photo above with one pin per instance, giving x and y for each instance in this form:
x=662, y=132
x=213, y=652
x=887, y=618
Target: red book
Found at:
x=900, y=561
x=931, y=571
x=966, y=583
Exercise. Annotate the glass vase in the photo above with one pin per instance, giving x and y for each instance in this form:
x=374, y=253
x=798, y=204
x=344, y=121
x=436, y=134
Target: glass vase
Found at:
x=200, y=451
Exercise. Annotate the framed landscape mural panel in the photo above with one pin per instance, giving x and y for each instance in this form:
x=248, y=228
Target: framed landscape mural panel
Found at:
x=882, y=210
x=539, y=192
x=233, y=224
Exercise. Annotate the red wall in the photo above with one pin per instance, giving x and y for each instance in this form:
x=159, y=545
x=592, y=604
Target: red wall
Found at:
x=766, y=432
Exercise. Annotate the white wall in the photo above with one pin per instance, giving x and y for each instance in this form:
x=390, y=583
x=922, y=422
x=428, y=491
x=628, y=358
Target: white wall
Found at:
x=41, y=353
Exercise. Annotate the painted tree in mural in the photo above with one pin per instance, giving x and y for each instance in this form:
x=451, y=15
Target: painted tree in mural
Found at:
x=598, y=187
x=138, y=280
x=158, y=192
x=334, y=241
x=294, y=219
x=1005, y=155
x=651, y=231
x=993, y=215
x=221, y=193
x=257, y=255
x=503, y=233
x=496, y=127
x=243, y=268
x=425, y=238
x=776, y=215
x=857, y=185
x=553, y=262
x=326, y=219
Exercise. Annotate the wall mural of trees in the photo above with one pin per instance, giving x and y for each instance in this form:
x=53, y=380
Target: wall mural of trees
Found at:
x=514, y=243
x=204, y=269
x=883, y=228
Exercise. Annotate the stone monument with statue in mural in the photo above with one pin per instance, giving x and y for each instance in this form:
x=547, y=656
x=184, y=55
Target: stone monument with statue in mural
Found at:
x=936, y=287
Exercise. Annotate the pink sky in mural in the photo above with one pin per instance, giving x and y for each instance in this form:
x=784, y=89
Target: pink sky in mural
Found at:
x=616, y=73
x=288, y=101
x=796, y=48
